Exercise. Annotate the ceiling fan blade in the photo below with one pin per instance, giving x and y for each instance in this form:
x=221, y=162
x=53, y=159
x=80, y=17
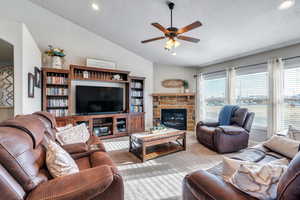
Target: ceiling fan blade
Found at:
x=189, y=39
x=153, y=39
x=192, y=26
x=160, y=27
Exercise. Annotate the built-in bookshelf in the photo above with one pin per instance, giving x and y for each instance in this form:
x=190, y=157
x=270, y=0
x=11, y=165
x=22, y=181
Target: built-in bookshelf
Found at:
x=98, y=74
x=56, y=90
x=137, y=94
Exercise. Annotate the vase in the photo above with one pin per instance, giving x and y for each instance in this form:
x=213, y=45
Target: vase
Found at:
x=186, y=90
x=57, y=62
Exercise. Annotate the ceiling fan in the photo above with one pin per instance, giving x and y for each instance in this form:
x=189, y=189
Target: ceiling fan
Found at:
x=172, y=32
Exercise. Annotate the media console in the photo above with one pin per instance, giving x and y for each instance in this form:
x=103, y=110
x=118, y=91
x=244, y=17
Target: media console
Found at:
x=57, y=93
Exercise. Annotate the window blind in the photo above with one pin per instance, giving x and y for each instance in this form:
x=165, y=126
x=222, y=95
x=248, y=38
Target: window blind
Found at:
x=292, y=93
x=252, y=92
x=214, y=92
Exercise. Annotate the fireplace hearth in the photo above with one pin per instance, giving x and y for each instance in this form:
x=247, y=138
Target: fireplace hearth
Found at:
x=174, y=118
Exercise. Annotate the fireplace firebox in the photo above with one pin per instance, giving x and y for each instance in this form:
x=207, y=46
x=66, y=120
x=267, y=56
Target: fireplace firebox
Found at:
x=174, y=118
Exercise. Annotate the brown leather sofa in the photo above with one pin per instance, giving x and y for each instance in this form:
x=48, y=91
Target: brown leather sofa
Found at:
x=227, y=139
x=24, y=175
x=209, y=185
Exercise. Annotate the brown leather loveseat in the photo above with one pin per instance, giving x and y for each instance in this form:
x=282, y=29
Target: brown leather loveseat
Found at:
x=24, y=175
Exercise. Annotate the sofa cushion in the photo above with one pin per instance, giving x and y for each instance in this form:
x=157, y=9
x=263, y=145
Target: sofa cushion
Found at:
x=239, y=116
x=289, y=184
x=293, y=133
x=83, y=163
x=76, y=134
x=100, y=158
x=283, y=145
x=257, y=180
x=58, y=161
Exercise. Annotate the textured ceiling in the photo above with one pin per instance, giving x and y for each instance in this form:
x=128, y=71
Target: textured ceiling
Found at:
x=231, y=28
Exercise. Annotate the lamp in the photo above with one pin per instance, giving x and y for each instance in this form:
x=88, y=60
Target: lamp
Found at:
x=171, y=43
x=286, y=4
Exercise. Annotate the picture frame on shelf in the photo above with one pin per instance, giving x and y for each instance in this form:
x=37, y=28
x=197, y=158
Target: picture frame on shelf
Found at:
x=31, y=82
x=37, y=75
x=100, y=63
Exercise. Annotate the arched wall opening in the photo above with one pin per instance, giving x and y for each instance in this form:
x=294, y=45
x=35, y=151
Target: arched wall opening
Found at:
x=6, y=80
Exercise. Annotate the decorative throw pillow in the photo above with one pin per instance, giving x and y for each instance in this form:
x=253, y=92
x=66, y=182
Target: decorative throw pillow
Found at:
x=283, y=145
x=230, y=166
x=58, y=161
x=259, y=181
x=63, y=128
x=76, y=134
x=293, y=133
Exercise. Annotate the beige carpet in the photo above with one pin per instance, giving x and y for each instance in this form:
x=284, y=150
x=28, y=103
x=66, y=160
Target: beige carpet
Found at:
x=162, y=177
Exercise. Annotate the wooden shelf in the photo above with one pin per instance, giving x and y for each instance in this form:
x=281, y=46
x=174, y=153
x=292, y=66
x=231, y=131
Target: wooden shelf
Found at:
x=57, y=107
x=172, y=94
x=98, y=74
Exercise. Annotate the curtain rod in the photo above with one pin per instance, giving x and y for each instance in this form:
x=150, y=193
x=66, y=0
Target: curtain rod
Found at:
x=251, y=65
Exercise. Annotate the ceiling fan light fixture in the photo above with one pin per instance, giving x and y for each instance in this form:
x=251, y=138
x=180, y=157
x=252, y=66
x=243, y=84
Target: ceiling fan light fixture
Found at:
x=95, y=6
x=286, y=4
x=171, y=43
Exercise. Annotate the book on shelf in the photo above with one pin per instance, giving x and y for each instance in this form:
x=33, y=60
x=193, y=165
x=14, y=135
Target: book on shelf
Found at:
x=136, y=93
x=136, y=108
x=57, y=102
x=56, y=91
x=57, y=79
x=137, y=101
x=136, y=85
x=59, y=112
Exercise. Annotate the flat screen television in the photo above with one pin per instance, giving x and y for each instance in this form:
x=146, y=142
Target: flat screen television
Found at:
x=93, y=100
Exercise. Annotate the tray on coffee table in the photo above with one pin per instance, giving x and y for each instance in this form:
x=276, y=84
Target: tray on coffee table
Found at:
x=147, y=146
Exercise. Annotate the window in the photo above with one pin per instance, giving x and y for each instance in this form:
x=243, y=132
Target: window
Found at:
x=214, y=92
x=252, y=92
x=291, y=109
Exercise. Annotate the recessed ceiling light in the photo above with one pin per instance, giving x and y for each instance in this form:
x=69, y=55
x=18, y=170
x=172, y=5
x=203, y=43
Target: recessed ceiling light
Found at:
x=95, y=6
x=286, y=4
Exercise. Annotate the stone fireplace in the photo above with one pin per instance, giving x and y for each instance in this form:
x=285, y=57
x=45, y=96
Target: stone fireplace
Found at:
x=176, y=110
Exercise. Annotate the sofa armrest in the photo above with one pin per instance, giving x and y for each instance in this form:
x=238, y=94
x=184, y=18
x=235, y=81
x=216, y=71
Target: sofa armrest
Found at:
x=232, y=130
x=209, y=124
x=86, y=184
x=203, y=185
x=76, y=148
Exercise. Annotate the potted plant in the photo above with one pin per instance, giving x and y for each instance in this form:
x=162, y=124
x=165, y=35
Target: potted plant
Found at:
x=186, y=86
x=56, y=55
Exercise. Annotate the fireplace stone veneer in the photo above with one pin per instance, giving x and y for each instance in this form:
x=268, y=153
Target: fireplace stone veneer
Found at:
x=174, y=101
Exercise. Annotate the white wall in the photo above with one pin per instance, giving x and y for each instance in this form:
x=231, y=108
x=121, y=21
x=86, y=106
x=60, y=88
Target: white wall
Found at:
x=285, y=52
x=163, y=72
x=79, y=43
x=31, y=58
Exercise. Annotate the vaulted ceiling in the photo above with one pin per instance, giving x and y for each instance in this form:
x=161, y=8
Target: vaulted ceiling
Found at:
x=231, y=28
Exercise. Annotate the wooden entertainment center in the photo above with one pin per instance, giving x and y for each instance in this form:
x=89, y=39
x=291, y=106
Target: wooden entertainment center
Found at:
x=57, y=92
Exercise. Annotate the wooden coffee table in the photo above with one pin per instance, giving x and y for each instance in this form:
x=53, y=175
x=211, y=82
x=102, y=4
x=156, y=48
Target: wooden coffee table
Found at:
x=147, y=146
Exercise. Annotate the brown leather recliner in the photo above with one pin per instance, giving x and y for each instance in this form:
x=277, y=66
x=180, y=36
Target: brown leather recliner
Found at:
x=24, y=175
x=227, y=139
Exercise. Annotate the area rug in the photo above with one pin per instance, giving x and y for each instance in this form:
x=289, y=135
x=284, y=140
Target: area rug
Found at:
x=160, y=178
